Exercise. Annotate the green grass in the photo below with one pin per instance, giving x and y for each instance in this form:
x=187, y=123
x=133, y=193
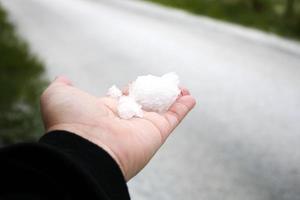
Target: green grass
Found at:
x=267, y=15
x=21, y=82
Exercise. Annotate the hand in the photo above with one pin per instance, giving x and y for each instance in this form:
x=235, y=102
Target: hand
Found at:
x=131, y=143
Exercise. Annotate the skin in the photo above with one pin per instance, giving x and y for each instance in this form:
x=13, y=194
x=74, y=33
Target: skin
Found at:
x=131, y=143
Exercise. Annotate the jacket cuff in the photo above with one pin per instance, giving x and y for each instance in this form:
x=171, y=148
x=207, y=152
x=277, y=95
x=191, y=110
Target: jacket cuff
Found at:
x=92, y=159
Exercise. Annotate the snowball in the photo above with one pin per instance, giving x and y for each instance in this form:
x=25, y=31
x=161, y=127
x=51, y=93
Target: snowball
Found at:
x=128, y=108
x=155, y=93
x=151, y=93
x=114, y=92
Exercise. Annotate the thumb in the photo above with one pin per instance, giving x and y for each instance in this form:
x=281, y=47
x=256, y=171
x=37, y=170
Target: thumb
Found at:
x=62, y=80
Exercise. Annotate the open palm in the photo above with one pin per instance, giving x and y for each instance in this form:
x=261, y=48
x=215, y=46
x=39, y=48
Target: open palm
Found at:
x=131, y=143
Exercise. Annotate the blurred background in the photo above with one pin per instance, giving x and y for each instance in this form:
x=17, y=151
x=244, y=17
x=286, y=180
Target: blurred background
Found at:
x=278, y=16
x=239, y=58
x=21, y=82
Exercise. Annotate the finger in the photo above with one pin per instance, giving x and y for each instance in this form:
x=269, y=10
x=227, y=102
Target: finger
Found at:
x=62, y=80
x=184, y=91
x=179, y=110
x=125, y=90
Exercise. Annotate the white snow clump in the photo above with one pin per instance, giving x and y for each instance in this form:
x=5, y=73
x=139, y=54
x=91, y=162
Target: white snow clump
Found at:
x=129, y=108
x=150, y=93
x=114, y=92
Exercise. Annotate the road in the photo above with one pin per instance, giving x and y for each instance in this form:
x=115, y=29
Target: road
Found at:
x=242, y=141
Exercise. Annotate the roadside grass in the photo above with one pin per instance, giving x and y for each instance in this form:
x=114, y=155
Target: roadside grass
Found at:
x=267, y=15
x=21, y=82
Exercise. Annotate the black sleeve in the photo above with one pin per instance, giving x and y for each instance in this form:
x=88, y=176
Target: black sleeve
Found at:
x=61, y=166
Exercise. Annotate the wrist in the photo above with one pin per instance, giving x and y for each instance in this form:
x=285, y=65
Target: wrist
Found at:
x=89, y=133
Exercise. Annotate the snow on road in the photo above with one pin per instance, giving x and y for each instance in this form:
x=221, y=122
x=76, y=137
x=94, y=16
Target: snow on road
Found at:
x=242, y=141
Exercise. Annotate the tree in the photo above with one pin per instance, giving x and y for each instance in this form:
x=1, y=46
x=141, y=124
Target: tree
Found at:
x=21, y=82
x=258, y=5
x=289, y=8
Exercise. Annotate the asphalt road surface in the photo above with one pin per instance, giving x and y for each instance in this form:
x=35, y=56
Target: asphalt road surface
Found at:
x=242, y=141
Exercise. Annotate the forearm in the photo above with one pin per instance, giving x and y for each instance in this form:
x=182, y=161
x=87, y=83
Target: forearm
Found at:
x=61, y=165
